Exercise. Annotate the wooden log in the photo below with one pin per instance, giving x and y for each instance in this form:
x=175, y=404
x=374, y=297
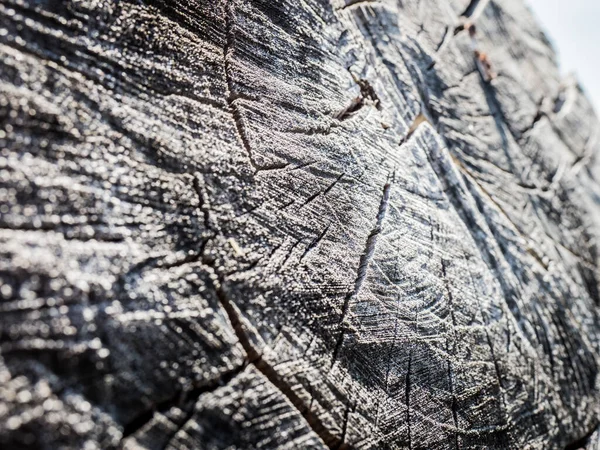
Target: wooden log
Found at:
x=294, y=224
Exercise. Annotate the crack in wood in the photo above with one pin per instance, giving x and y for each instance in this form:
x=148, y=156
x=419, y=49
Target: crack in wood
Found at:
x=233, y=96
x=454, y=405
x=474, y=9
x=582, y=443
x=420, y=119
x=288, y=255
x=367, y=96
x=444, y=42
x=323, y=192
x=407, y=386
x=255, y=357
x=183, y=399
x=357, y=3
x=315, y=242
x=363, y=264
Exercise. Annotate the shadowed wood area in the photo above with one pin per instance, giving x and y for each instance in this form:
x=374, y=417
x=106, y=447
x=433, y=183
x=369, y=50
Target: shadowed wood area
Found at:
x=260, y=224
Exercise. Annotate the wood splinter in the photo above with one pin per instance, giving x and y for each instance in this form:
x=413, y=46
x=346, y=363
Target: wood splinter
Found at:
x=481, y=58
x=485, y=66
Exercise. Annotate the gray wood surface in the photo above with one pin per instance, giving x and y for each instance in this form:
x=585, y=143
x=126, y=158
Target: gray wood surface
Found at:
x=294, y=224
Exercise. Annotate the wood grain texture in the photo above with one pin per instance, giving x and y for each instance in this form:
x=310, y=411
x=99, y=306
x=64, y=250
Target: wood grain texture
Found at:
x=294, y=224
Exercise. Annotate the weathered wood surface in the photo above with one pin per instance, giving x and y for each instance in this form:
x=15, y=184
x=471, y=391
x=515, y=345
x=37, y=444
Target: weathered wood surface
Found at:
x=294, y=224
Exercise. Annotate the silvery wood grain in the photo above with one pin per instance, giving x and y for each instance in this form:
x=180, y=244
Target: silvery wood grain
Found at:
x=294, y=224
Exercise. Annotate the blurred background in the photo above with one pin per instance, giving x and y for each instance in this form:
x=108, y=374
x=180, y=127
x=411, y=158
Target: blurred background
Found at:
x=574, y=29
